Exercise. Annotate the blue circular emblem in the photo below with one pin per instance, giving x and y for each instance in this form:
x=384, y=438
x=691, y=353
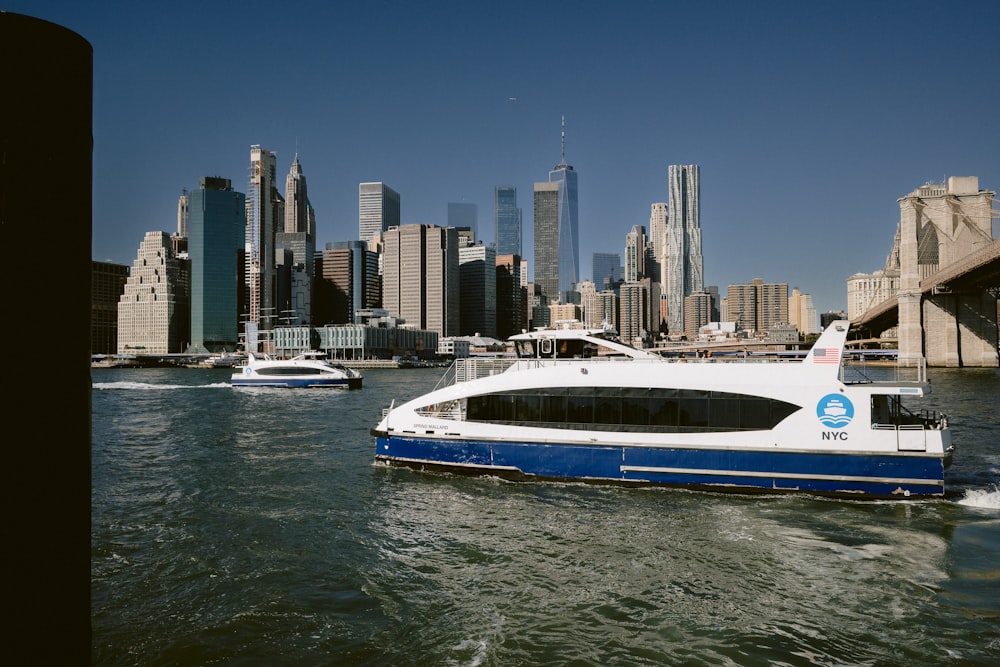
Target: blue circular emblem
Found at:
x=835, y=410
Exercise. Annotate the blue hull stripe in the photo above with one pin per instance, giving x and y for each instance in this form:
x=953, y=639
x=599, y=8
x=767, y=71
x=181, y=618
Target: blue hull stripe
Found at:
x=290, y=383
x=841, y=473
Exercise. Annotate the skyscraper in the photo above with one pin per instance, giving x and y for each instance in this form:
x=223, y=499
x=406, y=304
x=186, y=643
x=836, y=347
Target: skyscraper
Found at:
x=264, y=208
x=512, y=296
x=420, y=277
x=506, y=220
x=557, y=243
x=685, y=269
x=547, y=241
x=568, y=223
x=216, y=224
x=183, y=207
x=658, y=241
x=635, y=254
x=378, y=210
x=606, y=269
x=298, y=237
x=153, y=311
x=349, y=282
x=478, y=284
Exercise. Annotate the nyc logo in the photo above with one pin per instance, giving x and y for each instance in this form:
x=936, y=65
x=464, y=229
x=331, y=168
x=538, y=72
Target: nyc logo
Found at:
x=835, y=411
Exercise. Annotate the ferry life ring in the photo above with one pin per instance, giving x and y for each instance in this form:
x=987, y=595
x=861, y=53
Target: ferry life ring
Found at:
x=247, y=371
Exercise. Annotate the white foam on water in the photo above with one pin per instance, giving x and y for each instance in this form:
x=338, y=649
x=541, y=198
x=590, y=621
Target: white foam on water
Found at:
x=982, y=498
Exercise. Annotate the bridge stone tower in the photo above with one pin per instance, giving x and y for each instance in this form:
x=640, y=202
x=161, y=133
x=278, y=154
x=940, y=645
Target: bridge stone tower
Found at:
x=940, y=225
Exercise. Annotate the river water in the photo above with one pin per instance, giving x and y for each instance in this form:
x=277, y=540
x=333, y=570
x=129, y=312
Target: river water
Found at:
x=251, y=527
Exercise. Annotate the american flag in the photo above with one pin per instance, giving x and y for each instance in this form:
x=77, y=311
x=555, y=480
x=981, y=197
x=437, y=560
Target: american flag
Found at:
x=826, y=355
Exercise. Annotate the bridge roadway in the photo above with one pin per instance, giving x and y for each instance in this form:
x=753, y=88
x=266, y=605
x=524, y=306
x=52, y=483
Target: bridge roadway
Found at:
x=975, y=272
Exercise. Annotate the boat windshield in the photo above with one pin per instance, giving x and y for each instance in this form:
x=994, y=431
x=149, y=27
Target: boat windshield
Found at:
x=556, y=348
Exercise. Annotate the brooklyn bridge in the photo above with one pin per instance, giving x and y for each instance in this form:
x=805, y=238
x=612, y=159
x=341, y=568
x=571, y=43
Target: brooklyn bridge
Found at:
x=945, y=302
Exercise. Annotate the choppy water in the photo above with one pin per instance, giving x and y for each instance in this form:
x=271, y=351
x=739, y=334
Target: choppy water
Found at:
x=250, y=527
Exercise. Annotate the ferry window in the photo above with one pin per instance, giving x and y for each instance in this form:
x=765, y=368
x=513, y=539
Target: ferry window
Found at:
x=654, y=410
x=635, y=410
x=882, y=412
x=725, y=412
x=663, y=412
x=527, y=407
x=501, y=407
x=755, y=413
x=546, y=346
x=477, y=408
x=780, y=410
x=553, y=408
x=608, y=408
x=580, y=409
x=692, y=413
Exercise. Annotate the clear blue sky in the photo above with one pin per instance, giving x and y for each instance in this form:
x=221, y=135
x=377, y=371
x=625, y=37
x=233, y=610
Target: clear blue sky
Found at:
x=808, y=119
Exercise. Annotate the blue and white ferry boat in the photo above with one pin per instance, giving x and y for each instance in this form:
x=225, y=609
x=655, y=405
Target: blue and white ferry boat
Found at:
x=309, y=369
x=577, y=404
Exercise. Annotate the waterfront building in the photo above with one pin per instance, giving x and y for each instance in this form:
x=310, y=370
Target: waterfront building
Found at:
x=377, y=338
x=564, y=312
x=757, y=306
x=420, y=276
x=298, y=236
x=463, y=215
x=347, y=282
x=697, y=313
x=478, y=286
x=378, y=210
x=107, y=284
x=264, y=210
x=506, y=220
x=512, y=296
x=154, y=310
x=684, y=273
x=606, y=269
x=633, y=316
x=217, y=223
x=802, y=313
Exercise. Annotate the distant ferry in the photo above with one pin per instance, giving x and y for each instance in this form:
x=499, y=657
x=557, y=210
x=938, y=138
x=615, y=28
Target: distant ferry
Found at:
x=310, y=369
x=578, y=404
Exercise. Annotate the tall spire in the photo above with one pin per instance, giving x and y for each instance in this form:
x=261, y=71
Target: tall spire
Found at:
x=563, y=140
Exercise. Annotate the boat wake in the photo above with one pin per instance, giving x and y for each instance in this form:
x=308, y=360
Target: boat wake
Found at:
x=148, y=385
x=982, y=498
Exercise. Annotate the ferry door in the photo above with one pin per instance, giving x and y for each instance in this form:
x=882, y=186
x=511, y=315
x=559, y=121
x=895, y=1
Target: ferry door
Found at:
x=888, y=414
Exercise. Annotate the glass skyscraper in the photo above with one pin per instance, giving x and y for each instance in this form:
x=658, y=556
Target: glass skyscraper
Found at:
x=378, y=210
x=684, y=273
x=606, y=269
x=560, y=231
x=506, y=220
x=216, y=227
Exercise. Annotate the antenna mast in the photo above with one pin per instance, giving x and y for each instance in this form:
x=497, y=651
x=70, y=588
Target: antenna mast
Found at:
x=564, y=139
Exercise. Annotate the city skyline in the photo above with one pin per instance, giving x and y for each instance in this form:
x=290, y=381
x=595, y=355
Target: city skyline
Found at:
x=802, y=119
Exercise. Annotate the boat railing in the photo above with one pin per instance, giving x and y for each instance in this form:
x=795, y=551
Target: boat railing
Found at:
x=862, y=372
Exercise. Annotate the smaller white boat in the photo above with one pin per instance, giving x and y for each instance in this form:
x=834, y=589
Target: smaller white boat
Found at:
x=310, y=369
